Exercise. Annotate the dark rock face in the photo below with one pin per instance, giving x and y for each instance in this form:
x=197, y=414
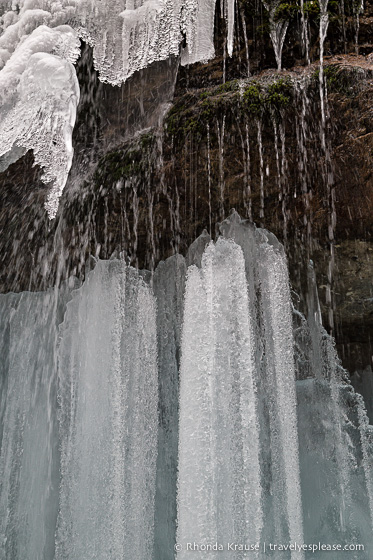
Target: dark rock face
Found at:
x=253, y=144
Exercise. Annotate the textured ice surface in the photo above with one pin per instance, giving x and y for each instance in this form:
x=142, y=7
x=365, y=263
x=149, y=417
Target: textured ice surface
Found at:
x=270, y=442
x=108, y=396
x=29, y=465
x=169, y=284
x=38, y=88
x=39, y=93
x=219, y=474
x=313, y=479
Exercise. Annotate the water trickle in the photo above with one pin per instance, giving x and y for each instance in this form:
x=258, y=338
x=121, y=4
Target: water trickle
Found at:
x=220, y=127
x=261, y=168
x=209, y=176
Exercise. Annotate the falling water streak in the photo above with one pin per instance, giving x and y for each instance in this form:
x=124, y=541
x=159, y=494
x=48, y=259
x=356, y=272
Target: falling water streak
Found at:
x=261, y=168
x=324, y=22
x=246, y=41
x=224, y=60
x=246, y=192
x=177, y=220
x=302, y=136
x=248, y=177
x=186, y=191
x=221, y=133
x=127, y=229
x=328, y=174
x=195, y=186
x=106, y=236
x=305, y=38
x=135, y=208
x=237, y=32
x=196, y=177
x=284, y=183
x=209, y=176
x=150, y=230
x=342, y=7
x=314, y=320
x=275, y=131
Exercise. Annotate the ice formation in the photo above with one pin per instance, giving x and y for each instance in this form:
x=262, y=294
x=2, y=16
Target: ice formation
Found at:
x=39, y=91
x=219, y=473
x=108, y=395
x=264, y=440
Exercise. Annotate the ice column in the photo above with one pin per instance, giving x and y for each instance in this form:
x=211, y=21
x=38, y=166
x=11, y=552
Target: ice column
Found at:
x=219, y=488
x=169, y=283
x=281, y=395
x=29, y=456
x=108, y=424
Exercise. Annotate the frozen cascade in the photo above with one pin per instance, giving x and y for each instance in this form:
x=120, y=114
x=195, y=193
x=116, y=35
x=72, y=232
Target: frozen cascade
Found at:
x=108, y=418
x=272, y=443
x=302, y=492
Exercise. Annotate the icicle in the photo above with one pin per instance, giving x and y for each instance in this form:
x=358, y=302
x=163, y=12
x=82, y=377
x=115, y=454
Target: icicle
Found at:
x=38, y=100
x=366, y=435
x=230, y=24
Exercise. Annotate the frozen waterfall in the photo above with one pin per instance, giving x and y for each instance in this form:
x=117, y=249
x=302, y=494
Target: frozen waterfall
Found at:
x=39, y=42
x=146, y=413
